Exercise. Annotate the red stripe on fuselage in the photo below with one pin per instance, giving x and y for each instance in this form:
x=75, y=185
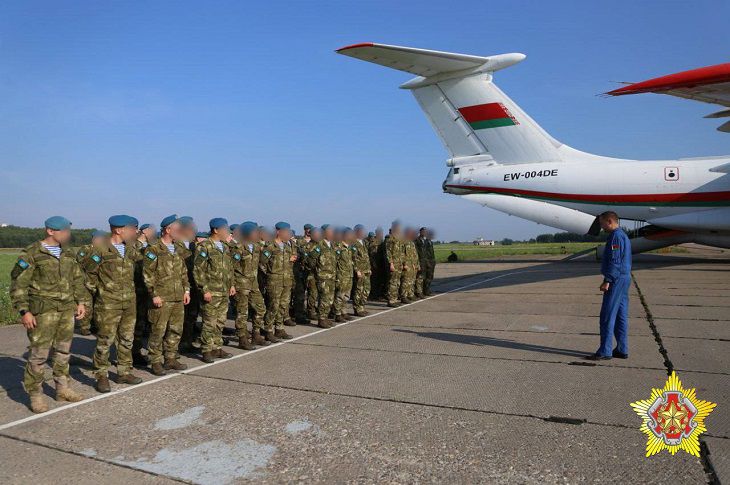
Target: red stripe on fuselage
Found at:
x=483, y=112
x=610, y=198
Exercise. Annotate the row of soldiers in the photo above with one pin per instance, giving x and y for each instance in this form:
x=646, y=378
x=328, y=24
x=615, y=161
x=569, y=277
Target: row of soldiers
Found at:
x=139, y=285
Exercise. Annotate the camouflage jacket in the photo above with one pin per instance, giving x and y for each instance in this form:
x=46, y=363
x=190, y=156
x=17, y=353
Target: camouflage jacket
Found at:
x=425, y=251
x=322, y=260
x=360, y=257
x=394, y=251
x=165, y=274
x=83, y=252
x=275, y=259
x=213, y=268
x=110, y=276
x=187, y=253
x=138, y=269
x=344, y=261
x=411, y=256
x=39, y=282
x=247, y=266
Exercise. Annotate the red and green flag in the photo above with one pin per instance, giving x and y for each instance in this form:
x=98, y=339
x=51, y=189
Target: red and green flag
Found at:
x=490, y=115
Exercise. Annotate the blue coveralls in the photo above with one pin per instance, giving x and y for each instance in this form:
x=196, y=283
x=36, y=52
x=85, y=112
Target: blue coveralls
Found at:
x=616, y=270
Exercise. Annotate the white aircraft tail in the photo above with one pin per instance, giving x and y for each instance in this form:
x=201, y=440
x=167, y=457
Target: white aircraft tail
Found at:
x=473, y=117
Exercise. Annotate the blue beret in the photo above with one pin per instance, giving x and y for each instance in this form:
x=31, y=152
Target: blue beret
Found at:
x=248, y=227
x=168, y=220
x=359, y=226
x=371, y=234
x=316, y=230
x=282, y=225
x=308, y=227
x=346, y=229
x=144, y=226
x=122, y=220
x=97, y=233
x=325, y=227
x=233, y=227
x=185, y=220
x=250, y=222
x=202, y=234
x=57, y=223
x=218, y=222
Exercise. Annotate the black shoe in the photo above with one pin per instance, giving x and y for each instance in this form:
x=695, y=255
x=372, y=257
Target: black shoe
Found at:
x=598, y=357
x=620, y=355
x=139, y=360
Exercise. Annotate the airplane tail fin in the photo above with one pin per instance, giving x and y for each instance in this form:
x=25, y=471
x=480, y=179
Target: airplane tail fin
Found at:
x=473, y=117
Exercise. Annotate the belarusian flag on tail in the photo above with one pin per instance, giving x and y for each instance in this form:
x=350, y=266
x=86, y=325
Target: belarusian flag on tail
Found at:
x=490, y=115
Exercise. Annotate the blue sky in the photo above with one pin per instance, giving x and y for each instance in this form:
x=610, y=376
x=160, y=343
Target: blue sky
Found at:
x=242, y=109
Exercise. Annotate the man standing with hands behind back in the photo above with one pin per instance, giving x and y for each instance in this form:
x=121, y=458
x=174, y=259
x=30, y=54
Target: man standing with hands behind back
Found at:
x=616, y=270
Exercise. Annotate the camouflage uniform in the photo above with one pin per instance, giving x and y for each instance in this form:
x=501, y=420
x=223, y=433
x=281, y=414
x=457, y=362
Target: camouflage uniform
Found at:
x=248, y=295
x=343, y=277
x=395, y=255
x=192, y=309
x=165, y=276
x=427, y=261
x=142, y=323
x=85, y=323
x=49, y=288
x=279, y=279
x=322, y=262
x=410, y=269
x=361, y=263
x=301, y=275
x=311, y=281
x=111, y=277
x=213, y=272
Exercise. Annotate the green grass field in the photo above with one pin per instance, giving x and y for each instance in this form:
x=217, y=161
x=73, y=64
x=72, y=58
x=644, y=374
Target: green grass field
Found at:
x=7, y=260
x=469, y=252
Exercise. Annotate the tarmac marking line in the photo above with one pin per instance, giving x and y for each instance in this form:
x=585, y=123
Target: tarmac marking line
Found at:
x=115, y=392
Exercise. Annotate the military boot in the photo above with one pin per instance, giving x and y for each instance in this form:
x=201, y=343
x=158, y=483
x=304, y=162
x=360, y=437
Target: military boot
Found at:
x=281, y=333
x=222, y=354
x=139, y=360
x=65, y=393
x=324, y=323
x=102, y=384
x=303, y=320
x=208, y=357
x=157, y=369
x=243, y=342
x=258, y=339
x=361, y=313
x=271, y=337
x=290, y=323
x=174, y=364
x=340, y=319
x=347, y=316
x=393, y=304
x=128, y=378
x=38, y=403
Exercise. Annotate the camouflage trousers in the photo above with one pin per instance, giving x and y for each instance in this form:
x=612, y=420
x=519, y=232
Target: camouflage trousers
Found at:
x=116, y=326
x=362, y=290
x=278, y=289
x=192, y=310
x=300, y=294
x=394, y=283
x=312, y=297
x=86, y=322
x=420, y=278
x=54, y=330
x=343, y=288
x=325, y=297
x=408, y=283
x=214, y=319
x=142, y=324
x=166, y=324
x=249, y=300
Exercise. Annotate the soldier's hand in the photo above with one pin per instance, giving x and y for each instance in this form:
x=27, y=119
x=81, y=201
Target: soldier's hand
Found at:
x=80, y=311
x=157, y=301
x=604, y=286
x=186, y=298
x=28, y=320
x=232, y=291
x=292, y=259
x=359, y=274
x=392, y=267
x=208, y=297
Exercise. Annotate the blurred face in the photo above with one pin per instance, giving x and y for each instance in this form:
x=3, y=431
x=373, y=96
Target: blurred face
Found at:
x=283, y=234
x=188, y=232
x=173, y=230
x=379, y=233
x=329, y=233
x=423, y=233
x=608, y=224
x=98, y=240
x=395, y=230
x=349, y=237
x=149, y=233
x=61, y=237
x=316, y=236
x=128, y=233
x=307, y=233
x=360, y=234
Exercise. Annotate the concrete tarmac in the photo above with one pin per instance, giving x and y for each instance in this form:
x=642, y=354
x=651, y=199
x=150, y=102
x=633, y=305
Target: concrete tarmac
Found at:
x=485, y=382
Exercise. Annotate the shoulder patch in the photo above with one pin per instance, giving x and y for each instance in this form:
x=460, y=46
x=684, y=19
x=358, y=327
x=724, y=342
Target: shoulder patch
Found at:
x=203, y=254
x=96, y=258
x=236, y=256
x=82, y=253
x=267, y=254
x=23, y=264
x=338, y=251
x=152, y=256
x=318, y=249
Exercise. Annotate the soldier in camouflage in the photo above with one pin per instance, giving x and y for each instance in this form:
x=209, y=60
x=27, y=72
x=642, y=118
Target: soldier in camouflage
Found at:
x=427, y=262
x=300, y=276
x=185, y=247
x=395, y=263
x=343, y=275
x=361, y=264
x=145, y=237
x=110, y=275
x=248, y=295
x=376, y=251
x=312, y=295
x=87, y=325
x=410, y=268
x=213, y=272
x=166, y=280
x=322, y=262
x=277, y=258
x=47, y=290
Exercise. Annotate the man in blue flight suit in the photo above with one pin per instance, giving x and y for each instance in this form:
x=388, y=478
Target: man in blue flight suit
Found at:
x=616, y=270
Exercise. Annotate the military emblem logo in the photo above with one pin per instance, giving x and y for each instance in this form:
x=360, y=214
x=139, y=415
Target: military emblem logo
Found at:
x=673, y=418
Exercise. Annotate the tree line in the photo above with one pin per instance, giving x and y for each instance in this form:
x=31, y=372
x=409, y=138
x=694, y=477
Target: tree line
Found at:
x=20, y=237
